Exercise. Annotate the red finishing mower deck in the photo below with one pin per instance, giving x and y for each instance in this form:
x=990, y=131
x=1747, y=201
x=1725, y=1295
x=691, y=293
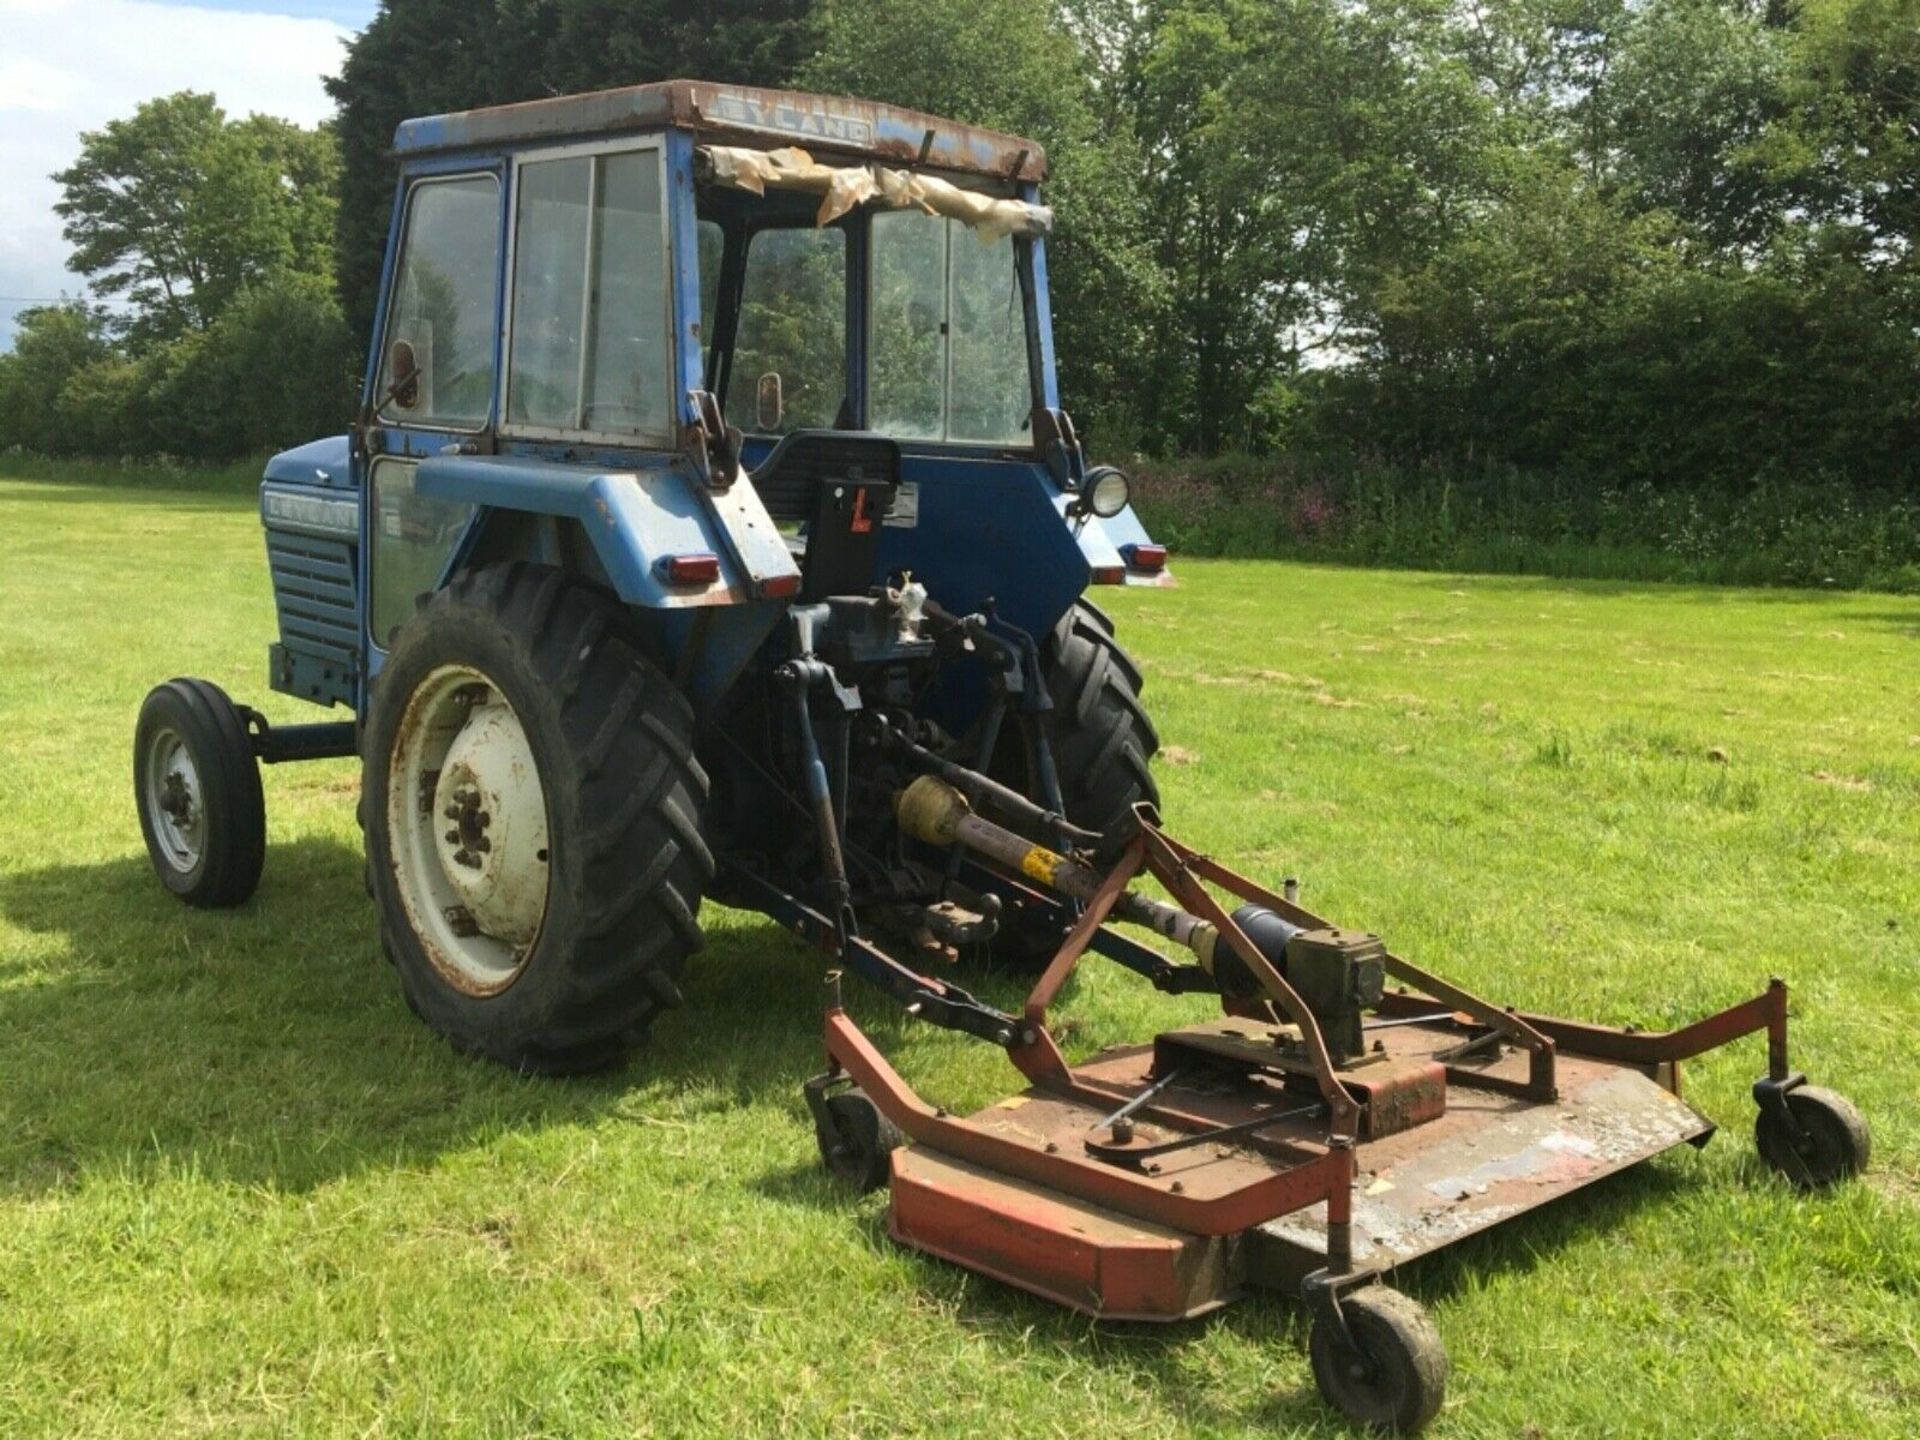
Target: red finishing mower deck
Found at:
x=1158, y=1182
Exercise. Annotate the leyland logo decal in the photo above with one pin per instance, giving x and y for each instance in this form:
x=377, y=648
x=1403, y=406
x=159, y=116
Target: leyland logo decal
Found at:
x=786, y=118
x=341, y=517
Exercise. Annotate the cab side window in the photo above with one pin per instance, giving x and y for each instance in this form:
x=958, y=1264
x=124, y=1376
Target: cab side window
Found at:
x=589, y=339
x=437, y=371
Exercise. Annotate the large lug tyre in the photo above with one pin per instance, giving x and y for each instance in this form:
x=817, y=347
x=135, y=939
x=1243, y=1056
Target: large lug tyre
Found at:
x=532, y=808
x=197, y=787
x=1101, y=740
x=1102, y=737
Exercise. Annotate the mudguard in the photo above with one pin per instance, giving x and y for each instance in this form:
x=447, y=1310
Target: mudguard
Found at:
x=636, y=521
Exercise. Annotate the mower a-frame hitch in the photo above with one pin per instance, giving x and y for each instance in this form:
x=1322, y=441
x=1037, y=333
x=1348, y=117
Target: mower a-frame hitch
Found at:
x=1328, y=1129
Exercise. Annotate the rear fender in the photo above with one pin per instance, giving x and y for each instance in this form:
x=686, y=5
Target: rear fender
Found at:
x=634, y=521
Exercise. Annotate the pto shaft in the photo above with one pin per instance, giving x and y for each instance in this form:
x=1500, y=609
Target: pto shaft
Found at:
x=931, y=810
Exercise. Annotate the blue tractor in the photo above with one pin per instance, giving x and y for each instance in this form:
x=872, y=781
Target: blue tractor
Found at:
x=711, y=528
x=710, y=482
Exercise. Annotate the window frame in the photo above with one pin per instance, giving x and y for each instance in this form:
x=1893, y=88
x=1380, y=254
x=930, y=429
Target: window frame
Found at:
x=1023, y=282
x=385, y=416
x=616, y=439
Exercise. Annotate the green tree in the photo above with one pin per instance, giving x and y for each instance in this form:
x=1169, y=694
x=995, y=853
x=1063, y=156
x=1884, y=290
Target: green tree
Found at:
x=176, y=208
x=1852, y=139
x=1694, y=89
x=51, y=344
x=1297, y=149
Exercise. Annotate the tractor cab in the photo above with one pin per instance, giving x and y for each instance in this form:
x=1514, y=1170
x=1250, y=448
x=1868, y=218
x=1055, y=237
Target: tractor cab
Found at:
x=741, y=296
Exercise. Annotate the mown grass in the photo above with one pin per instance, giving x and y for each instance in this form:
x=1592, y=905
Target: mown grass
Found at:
x=243, y=1192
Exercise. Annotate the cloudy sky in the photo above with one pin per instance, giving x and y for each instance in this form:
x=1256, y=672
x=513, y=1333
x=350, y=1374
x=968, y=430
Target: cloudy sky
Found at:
x=72, y=65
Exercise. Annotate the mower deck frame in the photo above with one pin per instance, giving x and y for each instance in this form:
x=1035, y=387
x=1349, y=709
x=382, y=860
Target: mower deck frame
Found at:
x=1259, y=1160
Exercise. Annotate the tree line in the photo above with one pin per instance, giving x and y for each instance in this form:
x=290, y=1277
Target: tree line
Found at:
x=1666, y=243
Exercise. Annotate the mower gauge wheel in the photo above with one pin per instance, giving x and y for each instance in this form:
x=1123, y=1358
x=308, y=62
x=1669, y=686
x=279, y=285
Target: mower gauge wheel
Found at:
x=857, y=1146
x=1389, y=1370
x=1832, y=1142
x=197, y=786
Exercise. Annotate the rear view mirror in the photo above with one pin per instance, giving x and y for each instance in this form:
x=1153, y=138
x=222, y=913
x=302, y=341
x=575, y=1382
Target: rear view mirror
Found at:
x=403, y=368
x=770, y=404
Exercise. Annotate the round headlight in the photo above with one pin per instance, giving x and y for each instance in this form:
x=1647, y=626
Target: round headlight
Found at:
x=1106, y=491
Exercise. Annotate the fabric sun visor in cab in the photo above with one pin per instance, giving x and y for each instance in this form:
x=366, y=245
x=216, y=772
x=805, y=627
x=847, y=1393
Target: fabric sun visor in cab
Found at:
x=843, y=187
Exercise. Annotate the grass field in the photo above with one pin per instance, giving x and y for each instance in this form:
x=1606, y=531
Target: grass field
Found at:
x=242, y=1192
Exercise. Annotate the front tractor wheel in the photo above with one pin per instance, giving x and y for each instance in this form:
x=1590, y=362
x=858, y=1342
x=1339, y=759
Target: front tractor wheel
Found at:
x=532, y=808
x=197, y=786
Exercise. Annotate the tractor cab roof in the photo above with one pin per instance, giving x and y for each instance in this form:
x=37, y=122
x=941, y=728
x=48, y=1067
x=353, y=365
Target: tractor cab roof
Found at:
x=823, y=125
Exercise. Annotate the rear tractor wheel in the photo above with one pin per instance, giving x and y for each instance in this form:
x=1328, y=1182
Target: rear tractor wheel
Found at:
x=197, y=786
x=532, y=809
x=1101, y=740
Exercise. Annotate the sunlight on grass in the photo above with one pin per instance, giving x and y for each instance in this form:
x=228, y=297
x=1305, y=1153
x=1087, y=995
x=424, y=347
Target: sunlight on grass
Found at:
x=244, y=1192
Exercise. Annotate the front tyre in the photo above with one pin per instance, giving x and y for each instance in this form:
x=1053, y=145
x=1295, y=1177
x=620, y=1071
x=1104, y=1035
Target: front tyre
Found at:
x=532, y=807
x=197, y=786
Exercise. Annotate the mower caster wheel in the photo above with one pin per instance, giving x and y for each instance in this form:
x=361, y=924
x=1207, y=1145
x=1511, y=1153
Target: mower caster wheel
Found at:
x=1388, y=1372
x=1832, y=1142
x=861, y=1139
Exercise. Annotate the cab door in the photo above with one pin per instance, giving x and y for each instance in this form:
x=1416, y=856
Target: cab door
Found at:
x=432, y=387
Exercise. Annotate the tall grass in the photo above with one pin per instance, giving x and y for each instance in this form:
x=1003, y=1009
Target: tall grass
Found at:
x=1815, y=533
x=1501, y=521
x=162, y=472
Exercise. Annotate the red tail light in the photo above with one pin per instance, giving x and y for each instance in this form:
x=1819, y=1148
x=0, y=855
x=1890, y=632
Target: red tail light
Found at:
x=780, y=587
x=1151, y=558
x=691, y=569
x=1109, y=574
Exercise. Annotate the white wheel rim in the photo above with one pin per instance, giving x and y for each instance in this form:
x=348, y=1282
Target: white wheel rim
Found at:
x=176, y=803
x=467, y=822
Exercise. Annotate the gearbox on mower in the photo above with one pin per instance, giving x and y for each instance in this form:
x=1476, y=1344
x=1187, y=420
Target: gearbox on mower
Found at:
x=711, y=527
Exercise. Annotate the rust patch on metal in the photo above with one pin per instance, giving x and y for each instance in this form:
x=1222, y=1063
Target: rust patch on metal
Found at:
x=826, y=124
x=1074, y=1253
